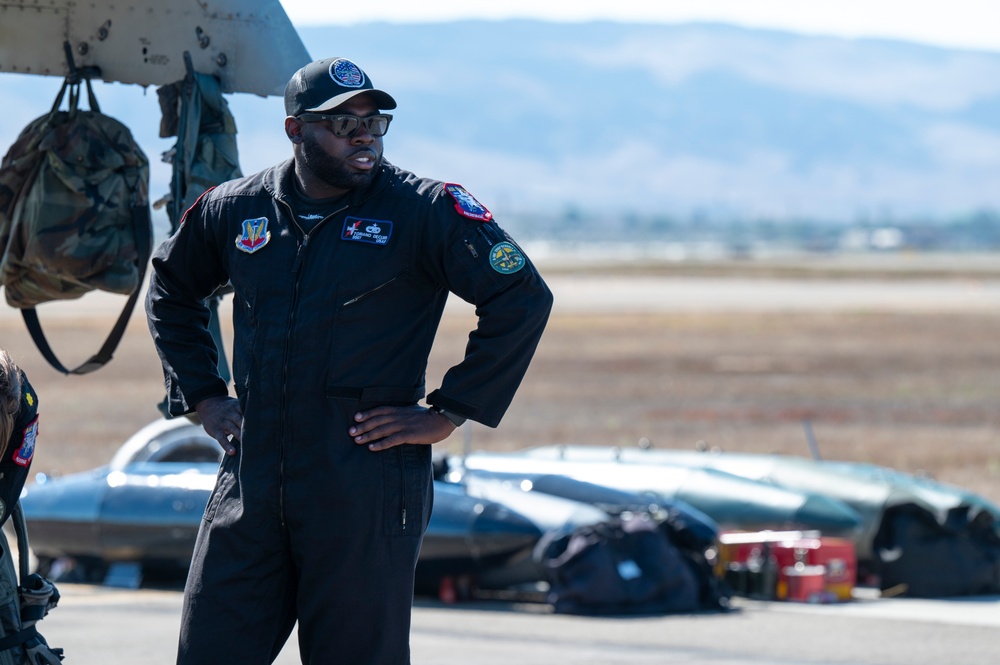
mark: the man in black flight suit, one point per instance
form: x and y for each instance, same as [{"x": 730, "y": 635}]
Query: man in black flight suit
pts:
[{"x": 340, "y": 264}]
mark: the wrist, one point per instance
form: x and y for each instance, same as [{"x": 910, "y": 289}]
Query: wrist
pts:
[{"x": 455, "y": 419}]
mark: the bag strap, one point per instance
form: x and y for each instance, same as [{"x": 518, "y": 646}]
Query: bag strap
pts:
[
  {"x": 36, "y": 597},
  {"x": 144, "y": 244},
  {"x": 18, "y": 638},
  {"x": 21, "y": 530},
  {"x": 73, "y": 80}
]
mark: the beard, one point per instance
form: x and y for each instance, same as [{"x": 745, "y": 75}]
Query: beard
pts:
[{"x": 333, "y": 171}]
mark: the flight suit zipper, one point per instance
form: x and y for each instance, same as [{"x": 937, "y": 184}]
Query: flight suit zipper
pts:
[{"x": 296, "y": 267}]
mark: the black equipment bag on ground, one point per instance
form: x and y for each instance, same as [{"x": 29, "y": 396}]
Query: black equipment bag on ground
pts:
[
  {"x": 74, "y": 215},
  {"x": 919, "y": 556},
  {"x": 625, "y": 565}
]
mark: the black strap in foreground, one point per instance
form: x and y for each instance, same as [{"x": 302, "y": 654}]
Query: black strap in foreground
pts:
[
  {"x": 144, "y": 244},
  {"x": 18, "y": 638},
  {"x": 21, "y": 531}
]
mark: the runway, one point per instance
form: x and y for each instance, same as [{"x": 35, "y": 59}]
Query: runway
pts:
[
  {"x": 104, "y": 626},
  {"x": 602, "y": 294}
]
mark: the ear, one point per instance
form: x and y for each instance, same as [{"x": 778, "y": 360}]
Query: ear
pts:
[{"x": 293, "y": 129}]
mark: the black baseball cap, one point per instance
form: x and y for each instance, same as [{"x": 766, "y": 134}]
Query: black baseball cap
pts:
[{"x": 328, "y": 83}]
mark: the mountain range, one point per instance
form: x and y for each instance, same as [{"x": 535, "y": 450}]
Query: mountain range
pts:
[{"x": 607, "y": 120}]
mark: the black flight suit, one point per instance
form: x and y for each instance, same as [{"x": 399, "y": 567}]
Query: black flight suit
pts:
[{"x": 305, "y": 524}]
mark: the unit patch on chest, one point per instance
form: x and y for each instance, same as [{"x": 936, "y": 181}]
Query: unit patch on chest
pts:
[
  {"x": 255, "y": 235},
  {"x": 371, "y": 231}
]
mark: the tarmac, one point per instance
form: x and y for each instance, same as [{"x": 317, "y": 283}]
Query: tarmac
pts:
[{"x": 112, "y": 626}]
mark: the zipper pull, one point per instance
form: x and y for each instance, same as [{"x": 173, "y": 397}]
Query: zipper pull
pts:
[
  {"x": 298, "y": 254},
  {"x": 404, "y": 518}
]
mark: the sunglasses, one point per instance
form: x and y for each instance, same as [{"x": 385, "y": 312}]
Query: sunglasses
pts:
[{"x": 345, "y": 125}]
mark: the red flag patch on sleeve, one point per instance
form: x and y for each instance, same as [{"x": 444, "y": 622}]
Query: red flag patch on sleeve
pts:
[
  {"x": 466, "y": 204},
  {"x": 23, "y": 455}
]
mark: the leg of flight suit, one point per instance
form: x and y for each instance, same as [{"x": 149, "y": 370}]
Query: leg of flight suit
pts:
[
  {"x": 240, "y": 593},
  {"x": 356, "y": 586}
]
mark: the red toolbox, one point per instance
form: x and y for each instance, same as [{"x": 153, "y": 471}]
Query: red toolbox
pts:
[{"x": 788, "y": 565}]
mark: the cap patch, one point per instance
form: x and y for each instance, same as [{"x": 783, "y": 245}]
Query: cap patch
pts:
[
  {"x": 506, "y": 258},
  {"x": 346, "y": 73},
  {"x": 23, "y": 455},
  {"x": 255, "y": 235},
  {"x": 466, "y": 204},
  {"x": 371, "y": 231}
]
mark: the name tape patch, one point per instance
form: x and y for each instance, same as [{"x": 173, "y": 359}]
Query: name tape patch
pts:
[
  {"x": 371, "y": 231},
  {"x": 466, "y": 204}
]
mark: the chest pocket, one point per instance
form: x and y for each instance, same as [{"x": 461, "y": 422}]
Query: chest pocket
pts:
[{"x": 356, "y": 293}]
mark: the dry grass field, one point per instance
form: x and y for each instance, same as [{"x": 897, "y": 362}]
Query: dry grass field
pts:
[{"x": 915, "y": 389}]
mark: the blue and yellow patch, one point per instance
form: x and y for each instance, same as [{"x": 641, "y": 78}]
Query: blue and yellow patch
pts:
[
  {"x": 506, "y": 258},
  {"x": 255, "y": 235}
]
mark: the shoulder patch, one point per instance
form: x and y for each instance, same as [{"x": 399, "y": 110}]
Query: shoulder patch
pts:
[
  {"x": 23, "y": 455},
  {"x": 506, "y": 258},
  {"x": 466, "y": 204}
]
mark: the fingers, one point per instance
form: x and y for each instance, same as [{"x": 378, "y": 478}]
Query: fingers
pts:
[
  {"x": 227, "y": 444},
  {"x": 223, "y": 421},
  {"x": 227, "y": 435},
  {"x": 384, "y": 443},
  {"x": 385, "y": 426},
  {"x": 370, "y": 428}
]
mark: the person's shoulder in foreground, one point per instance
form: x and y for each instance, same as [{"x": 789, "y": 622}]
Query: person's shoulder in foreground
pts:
[{"x": 18, "y": 405}]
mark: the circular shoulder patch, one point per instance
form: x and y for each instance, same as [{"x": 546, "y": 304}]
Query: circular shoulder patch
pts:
[
  {"x": 506, "y": 258},
  {"x": 346, "y": 73}
]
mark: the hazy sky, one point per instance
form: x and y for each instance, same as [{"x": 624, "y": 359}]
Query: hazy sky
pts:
[{"x": 956, "y": 23}]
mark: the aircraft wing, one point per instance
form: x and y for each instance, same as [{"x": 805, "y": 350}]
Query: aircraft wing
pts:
[{"x": 250, "y": 45}]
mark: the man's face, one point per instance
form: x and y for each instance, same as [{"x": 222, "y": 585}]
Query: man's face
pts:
[{"x": 340, "y": 163}]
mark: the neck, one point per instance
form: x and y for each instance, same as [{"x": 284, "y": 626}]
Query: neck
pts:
[{"x": 315, "y": 188}]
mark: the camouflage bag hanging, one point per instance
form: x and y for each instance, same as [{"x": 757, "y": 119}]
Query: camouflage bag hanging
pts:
[
  {"x": 205, "y": 154},
  {"x": 74, "y": 215}
]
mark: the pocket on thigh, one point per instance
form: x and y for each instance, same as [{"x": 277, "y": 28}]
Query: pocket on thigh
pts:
[
  {"x": 406, "y": 472},
  {"x": 225, "y": 485}
]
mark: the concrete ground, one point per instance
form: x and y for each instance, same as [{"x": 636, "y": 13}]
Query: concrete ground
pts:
[{"x": 104, "y": 626}]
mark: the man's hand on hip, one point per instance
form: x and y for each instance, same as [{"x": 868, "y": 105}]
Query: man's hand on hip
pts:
[
  {"x": 386, "y": 426},
  {"x": 223, "y": 420}
]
